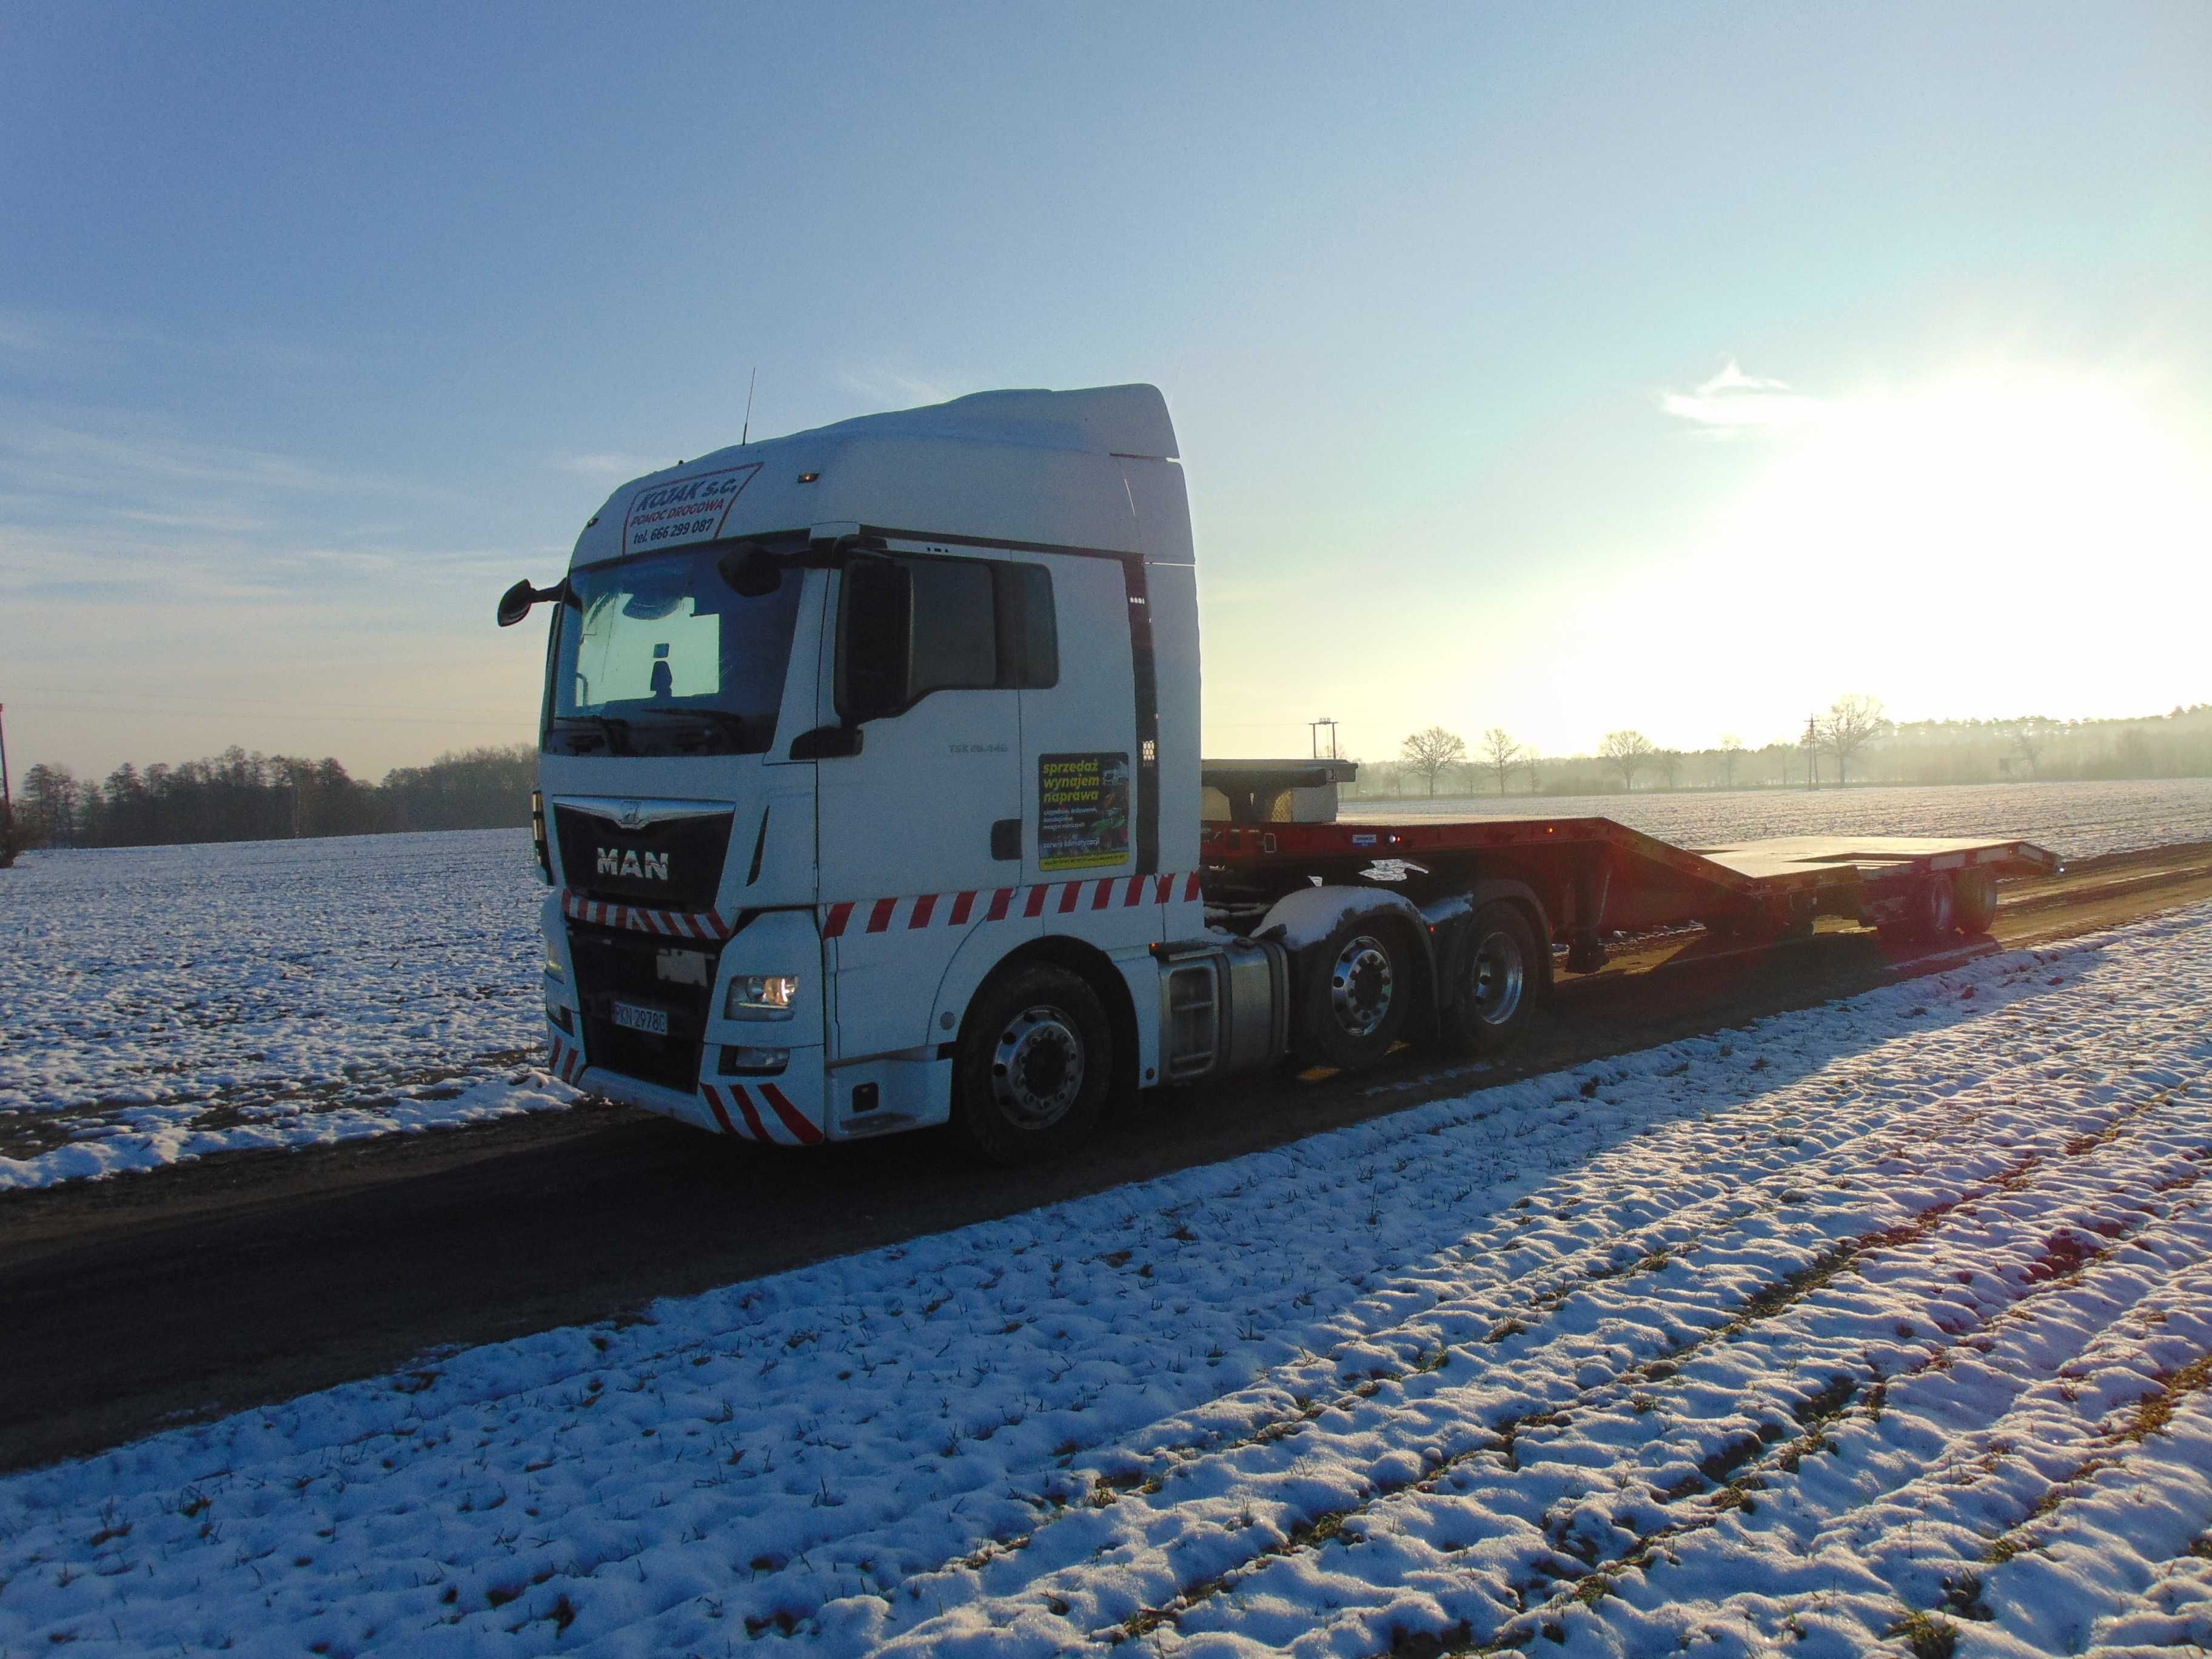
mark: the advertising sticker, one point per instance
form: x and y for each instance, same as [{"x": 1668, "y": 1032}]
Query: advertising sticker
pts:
[
  {"x": 684, "y": 511},
  {"x": 1083, "y": 810}
]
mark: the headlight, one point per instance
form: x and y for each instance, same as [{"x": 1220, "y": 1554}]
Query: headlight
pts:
[
  {"x": 762, "y": 996},
  {"x": 553, "y": 964}
]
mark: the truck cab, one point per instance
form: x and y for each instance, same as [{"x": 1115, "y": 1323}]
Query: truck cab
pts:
[{"x": 868, "y": 783}]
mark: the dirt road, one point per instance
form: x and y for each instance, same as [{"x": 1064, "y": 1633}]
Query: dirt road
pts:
[{"x": 212, "y": 1285}]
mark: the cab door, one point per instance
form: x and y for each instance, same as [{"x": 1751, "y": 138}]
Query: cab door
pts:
[
  {"x": 919, "y": 827},
  {"x": 1084, "y": 767}
]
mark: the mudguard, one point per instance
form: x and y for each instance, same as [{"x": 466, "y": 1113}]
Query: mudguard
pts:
[
  {"x": 1303, "y": 920},
  {"x": 1449, "y": 922}
]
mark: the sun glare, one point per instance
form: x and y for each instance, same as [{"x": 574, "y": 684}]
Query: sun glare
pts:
[{"x": 1998, "y": 543}]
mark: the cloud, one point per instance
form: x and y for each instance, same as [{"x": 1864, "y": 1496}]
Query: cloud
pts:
[
  {"x": 57, "y": 458},
  {"x": 78, "y": 340},
  {"x": 609, "y": 468},
  {"x": 890, "y": 389},
  {"x": 1733, "y": 403}
]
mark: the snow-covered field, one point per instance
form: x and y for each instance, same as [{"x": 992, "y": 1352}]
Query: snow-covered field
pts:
[
  {"x": 1888, "y": 1321},
  {"x": 2077, "y": 820},
  {"x": 160, "y": 1003}
]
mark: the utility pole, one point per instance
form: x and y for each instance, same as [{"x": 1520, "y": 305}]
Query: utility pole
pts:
[
  {"x": 7, "y": 801},
  {"x": 1313, "y": 730},
  {"x": 1812, "y": 751}
]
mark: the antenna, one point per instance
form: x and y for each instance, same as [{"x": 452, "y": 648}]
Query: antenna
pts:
[{"x": 746, "y": 435}]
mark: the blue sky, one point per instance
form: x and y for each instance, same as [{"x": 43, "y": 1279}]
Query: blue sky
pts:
[{"x": 1559, "y": 369}]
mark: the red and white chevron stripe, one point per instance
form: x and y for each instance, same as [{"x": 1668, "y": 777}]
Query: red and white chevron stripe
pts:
[
  {"x": 1060, "y": 899},
  {"x": 566, "y": 1061},
  {"x": 670, "y": 924},
  {"x": 776, "y": 1121}
]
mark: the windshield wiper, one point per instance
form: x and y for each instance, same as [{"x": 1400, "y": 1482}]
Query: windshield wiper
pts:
[{"x": 615, "y": 732}]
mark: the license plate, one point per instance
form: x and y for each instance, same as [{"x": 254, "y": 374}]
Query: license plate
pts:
[{"x": 632, "y": 1017}]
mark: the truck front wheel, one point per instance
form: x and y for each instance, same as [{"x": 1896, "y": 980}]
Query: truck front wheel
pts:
[
  {"x": 1488, "y": 1005},
  {"x": 1034, "y": 1062},
  {"x": 1353, "y": 1001}
]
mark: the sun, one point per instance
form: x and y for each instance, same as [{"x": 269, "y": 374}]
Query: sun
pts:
[{"x": 1998, "y": 542}]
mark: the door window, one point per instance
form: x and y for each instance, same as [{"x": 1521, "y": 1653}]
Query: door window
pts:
[{"x": 909, "y": 626}]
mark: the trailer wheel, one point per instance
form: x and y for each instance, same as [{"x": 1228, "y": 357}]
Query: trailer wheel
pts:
[
  {"x": 1488, "y": 1007},
  {"x": 1976, "y": 892},
  {"x": 1032, "y": 1067},
  {"x": 1933, "y": 909},
  {"x": 1356, "y": 992}
]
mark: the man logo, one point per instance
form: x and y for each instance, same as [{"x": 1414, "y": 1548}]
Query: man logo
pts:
[
  {"x": 627, "y": 861},
  {"x": 632, "y": 816}
]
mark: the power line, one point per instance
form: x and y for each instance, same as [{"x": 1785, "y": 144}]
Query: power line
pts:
[
  {"x": 163, "y": 699},
  {"x": 520, "y": 727}
]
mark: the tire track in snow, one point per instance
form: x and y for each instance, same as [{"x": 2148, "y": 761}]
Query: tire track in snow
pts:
[
  {"x": 1726, "y": 1448},
  {"x": 1917, "y": 1556},
  {"x": 1318, "y": 1529},
  {"x": 1760, "y": 1486}
]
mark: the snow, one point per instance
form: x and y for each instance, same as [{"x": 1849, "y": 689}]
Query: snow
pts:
[
  {"x": 1898, "y": 1309},
  {"x": 162, "y": 1003},
  {"x": 2074, "y": 820},
  {"x": 165, "y": 1003}
]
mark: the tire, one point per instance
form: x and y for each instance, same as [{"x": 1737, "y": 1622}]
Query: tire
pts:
[
  {"x": 1355, "y": 992},
  {"x": 1490, "y": 1000},
  {"x": 1934, "y": 911},
  {"x": 1033, "y": 1066},
  {"x": 1976, "y": 892}
]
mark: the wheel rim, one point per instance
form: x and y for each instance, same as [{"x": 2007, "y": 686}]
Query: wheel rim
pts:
[
  {"x": 1361, "y": 982},
  {"x": 1500, "y": 975},
  {"x": 1942, "y": 906},
  {"x": 1036, "y": 1068}
]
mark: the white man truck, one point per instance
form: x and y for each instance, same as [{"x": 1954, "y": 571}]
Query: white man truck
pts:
[{"x": 870, "y": 799}]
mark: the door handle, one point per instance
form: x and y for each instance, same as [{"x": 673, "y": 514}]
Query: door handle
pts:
[{"x": 1006, "y": 839}]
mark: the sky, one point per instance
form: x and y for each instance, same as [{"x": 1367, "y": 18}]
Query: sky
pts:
[{"x": 1561, "y": 369}]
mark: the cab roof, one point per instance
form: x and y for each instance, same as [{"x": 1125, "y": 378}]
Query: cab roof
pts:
[{"x": 1049, "y": 468}]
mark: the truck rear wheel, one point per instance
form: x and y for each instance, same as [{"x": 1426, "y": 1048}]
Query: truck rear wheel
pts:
[
  {"x": 1034, "y": 1061},
  {"x": 1352, "y": 1003},
  {"x": 1976, "y": 893},
  {"x": 1488, "y": 1005}
]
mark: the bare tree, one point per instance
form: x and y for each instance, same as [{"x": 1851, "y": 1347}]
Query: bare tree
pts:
[
  {"x": 1630, "y": 753},
  {"x": 1669, "y": 762},
  {"x": 1853, "y": 722},
  {"x": 1731, "y": 752},
  {"x": 1533, "y": 763},
  {"x": 1499, "y": 752},
  {"x": 1429, "y": 751},
  {"x": 2028, "y": 737}
]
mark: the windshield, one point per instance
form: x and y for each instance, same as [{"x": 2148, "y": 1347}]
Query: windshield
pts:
[{"x": 659, "y": 655}]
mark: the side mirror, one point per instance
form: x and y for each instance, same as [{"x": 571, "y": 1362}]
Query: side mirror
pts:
[
  {"x": 514, "y": 603},
  {"x": 751, "y": 571},
  {"x": 875, "y": 633}
]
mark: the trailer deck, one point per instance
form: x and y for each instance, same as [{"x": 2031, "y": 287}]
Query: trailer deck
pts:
[{"x": 1594, "y": 875}]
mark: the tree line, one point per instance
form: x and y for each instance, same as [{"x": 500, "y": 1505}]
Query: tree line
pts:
[
  {"x": 237, "y": 796},
  {"x": 1854, "y": 742}
]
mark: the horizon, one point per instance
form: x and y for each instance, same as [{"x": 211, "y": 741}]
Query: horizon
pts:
[
  {"x": 1564, "y": 373},
  {"x": 1994, "y": 724}
]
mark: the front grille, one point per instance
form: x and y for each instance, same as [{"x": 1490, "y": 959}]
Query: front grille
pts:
[
  {"x": 674, "y": 864},
  {"x": 653, "y": 973}
]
